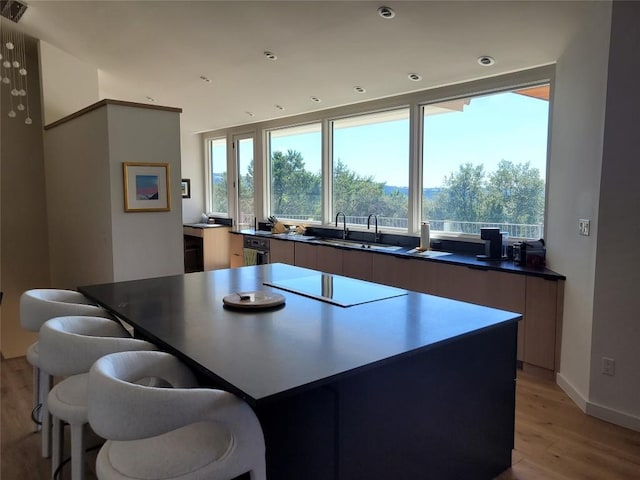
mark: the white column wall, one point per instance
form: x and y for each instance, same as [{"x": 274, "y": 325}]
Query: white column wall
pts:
[
  {"x": 78, "y": 193},
  {"x": 616, "y": 312},
  {"x": 575, "y": 163},
  {"x": 145, "y": 244}
]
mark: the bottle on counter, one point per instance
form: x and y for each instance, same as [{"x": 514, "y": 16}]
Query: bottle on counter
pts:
[{"x": 425, "y": 236}]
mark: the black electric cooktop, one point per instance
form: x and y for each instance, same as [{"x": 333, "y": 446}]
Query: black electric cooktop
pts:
[{"x": 338, "y": 290}]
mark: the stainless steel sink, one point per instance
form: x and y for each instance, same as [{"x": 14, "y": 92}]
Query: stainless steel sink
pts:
[
  {"x": 359, "y": 245},
  {"x": 294, "y": 236}
]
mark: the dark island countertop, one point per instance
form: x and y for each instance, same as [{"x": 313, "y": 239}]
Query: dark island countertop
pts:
[
  {"x": 334, "y": 387},
  {"x": 453, "y": 258},
  {"x": 263, "y": 355}
]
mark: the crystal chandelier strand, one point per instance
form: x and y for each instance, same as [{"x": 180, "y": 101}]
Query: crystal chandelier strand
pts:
[
  {"x": 21, "y": 77},
  {"x": 13, "y": 72},
  {"x": 25, "y": 90},
  {"x": 11, "y": 55}
]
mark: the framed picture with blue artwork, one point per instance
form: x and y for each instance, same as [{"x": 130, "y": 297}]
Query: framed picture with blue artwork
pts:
[{"x": 146, "y": 187}]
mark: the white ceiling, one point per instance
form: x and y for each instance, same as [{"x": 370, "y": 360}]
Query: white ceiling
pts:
[{"x": 160, "y": 49}]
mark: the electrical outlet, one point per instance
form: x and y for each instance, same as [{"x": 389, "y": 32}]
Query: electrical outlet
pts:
[
  {"x": 584, "y": 226},
  {"x": 608, "y": 366}
]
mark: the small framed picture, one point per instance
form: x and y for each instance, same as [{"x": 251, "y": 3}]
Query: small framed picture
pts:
[
  {"x": 185, "y": 188},
  {"x": 146, "y": 187}
]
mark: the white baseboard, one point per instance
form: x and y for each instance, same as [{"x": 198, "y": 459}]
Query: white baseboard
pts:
[
  {"x": 595, "y": 410},
  {"x": 571, "y": 391},
  {"x": 614, "y": 416}
]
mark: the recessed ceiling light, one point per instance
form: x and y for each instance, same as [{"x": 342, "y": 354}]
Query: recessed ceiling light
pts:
[
  {"x": 270, "y": 55},
  {"x": 486, "y": 60},
  {"x": 205, "y": 79},
  {"x": 415, "y": 77},
  {"x": 279, "y": 107},
  {"x": 315, "y": 99},
  {"x": 386, "y": 12},
  {"x": 359, "y": 89}
]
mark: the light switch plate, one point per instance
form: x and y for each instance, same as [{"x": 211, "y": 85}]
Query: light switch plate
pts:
[{"x": 584, "y": 227}]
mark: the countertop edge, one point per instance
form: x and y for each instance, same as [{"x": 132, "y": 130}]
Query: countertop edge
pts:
[{"x": 459, "y": 259}]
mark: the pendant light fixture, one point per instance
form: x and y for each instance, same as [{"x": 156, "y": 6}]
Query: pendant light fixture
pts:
[{"x": 13, "y": 74}]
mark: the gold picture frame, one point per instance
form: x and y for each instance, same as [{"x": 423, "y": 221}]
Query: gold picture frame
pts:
[{"x": 146, "y": 187}]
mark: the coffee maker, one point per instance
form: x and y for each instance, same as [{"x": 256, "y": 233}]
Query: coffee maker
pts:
[{"x": 492, "y": 244}]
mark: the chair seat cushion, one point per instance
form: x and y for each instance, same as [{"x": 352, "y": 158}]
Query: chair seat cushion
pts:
[
  {"x": 33, "y": 355},
  {"x": 68, "y": 399},
  {"x": 184, "y": 453}
]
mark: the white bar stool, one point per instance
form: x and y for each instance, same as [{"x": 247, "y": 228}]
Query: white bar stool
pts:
[
  {"x": 175, "y": 431},
  {"x": 69, "y": 346},
  {"x": 36, "y": 307}
]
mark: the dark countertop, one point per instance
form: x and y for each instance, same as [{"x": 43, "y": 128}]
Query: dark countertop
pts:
[
  {"x": 264, "y": 355},
  {"x": 463, "y": 259}
]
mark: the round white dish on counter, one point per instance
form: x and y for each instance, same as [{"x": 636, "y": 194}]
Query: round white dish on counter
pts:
[{"x": 253, "y": 300}]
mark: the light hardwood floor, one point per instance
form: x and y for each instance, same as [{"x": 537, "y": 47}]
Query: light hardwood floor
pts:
[
  {"x": 20, "y": 446},
  {"x": 554, "y": 439}
]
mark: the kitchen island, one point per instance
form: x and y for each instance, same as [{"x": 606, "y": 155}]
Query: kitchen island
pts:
[{"x": 391, "y": 384}]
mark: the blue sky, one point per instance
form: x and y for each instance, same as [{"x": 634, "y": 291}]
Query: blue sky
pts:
[{"x": 503, "y": 126}]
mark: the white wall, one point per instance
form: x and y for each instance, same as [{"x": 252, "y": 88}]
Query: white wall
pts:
[
  {"x": 193, "y": 168},
  {"x": 145, "y": 244},
  {"x": 573, "y": 191},
  {"x": 24, "y": 257},
  {"x": 68, "y": 84},
  {"x": 78, "y": 197},
  {"x": 92, "y": 238},
  {"x": 616, "y": 312}
]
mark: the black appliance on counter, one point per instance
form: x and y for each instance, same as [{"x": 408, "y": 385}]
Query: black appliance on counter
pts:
[
  {"x": 492, "y": 244},
  {"x": 530, "y": 254}
]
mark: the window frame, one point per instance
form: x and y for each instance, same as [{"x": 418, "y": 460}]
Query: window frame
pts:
[
  {"x": 267, "y": 163},
  {"x": 208, "y": 141},
  {"x": 415, "y": 101},
  {"x": 420, "y": 161},
  {"x": 331, "y": 211}
]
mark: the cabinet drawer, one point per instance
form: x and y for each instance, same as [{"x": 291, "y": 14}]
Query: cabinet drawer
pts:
[
  {"x": 193, "y": 232},
  {"x": 490, "y": 288},
  {"x": 356, "y": 264},
  {"x": 404, "y": 272},
  {"x": 281, "y": 251},
  {"x": 306, "y": 255}
]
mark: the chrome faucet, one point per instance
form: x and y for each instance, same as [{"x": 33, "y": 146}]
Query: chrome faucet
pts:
[
  {"x": 345, "y": 232},
  {"x": 376, "y": 238}
]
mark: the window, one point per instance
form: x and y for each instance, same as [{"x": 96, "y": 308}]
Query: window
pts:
[
  {"x": 295, "y": 155},
  {"x": 371, "y": 167},
  {"x": 474, "y": 160},
  {"x": 484, "y": 163},
  {"x": 218, "y": 199},
  {"x": 244, "y": 166}
]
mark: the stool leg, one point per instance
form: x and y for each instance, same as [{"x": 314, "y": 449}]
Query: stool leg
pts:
[
  {"x": 77, "y": 451},
  {"x": 36, "y": 396},
  {"x": 57, "y": 444},
  {"x": 46, "y": 382}
]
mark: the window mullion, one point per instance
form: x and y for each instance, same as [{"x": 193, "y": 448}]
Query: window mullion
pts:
[
  {"x": 415, "y": 168},
  {"x": 327, "y": 172}
]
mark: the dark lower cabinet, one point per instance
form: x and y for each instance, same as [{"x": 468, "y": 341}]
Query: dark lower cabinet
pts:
[{"x": 193, "y": 254}]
